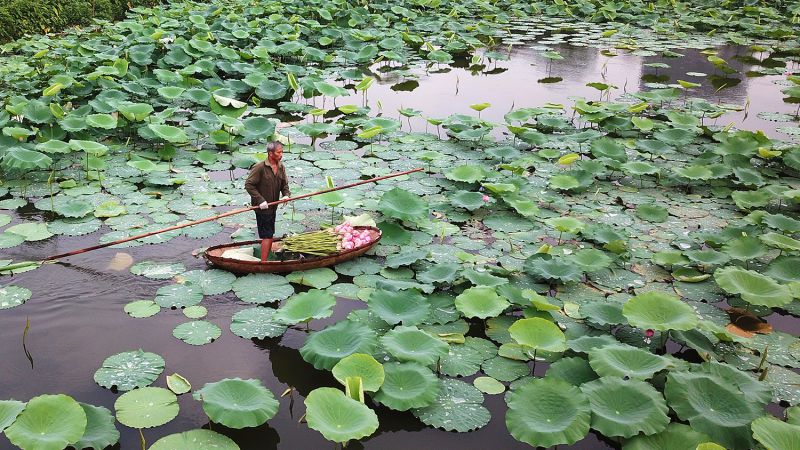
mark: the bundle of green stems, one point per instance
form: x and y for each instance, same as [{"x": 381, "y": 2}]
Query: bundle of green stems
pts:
[{"x": 318, "y": 243}]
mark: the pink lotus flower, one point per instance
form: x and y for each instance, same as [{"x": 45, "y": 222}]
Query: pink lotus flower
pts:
[
  {"x": 649, "y": 333},
  {"x": 485, "y": 198}
]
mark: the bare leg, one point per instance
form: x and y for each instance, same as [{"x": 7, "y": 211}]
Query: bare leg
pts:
[{"x": 266, "y": 247}]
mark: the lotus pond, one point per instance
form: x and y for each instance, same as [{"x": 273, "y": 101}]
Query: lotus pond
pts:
[{"x": 602, "y": 251}]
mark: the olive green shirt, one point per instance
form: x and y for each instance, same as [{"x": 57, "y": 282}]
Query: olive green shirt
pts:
[{"x": 264, "y": 185}]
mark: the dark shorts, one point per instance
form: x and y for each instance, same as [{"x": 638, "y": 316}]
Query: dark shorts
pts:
[{"x": 266, "y": 223}]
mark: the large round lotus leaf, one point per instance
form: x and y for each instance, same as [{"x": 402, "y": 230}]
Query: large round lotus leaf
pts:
[
  {"x": 74, "y": 208},
  {"x": 547, "y": 412},
  {"x": 315, "y": 278},
  {"x": 469, "y": 200},
  {"x": 403, "y": 205},
  {"x": 780, "y": 242},
  {"x": 711, "y": 406},
  {"x": 30, "y": 231},
  {"x": 505, "y": 369},
  {"x": 157, "y": 271},
  {"x": 626, "y": 361},
  {"x": 146, "y": 407},
  {"x": 443, "y": 308},
  {"x": 100, "y": 429},
  {"x": 564, "y": 182},
  {"x": 8, "y": 240},
  {"x": 466, "y": 173},
  {"x": 776, "y": 435},
  {"x": 707, "y": 257},
  {"x": 11, "y": 296},
  {"x": 458, "y": 407},
  {"x": 169, "y": 133},
  {"x": 439, "y": 273},
  {"x": 363, "y": 366},
  {"x": 358, "y": 266},
  {"x": 625, "y": 407},
  {"x": 142, "y": 308},
  {"x": 412, "y": 344},
  {"x": 676, "y": 435},
  {"x": 754, "y": 391},
  {"x": 406, "y": 386},
  {"x": 210, "y": 282},
  {"x": 9, "y": 410},
  {"x": 338, "y": 417},
  {"x": 327, "y": 347},
  {"x": 48, "y": 422},
  {"x": 481, "y": 302},
  {"x": 237, "y": 403},
  {"x": 405, "y": 258},
  {"x": 262, "y": 288},
  {"x": 545, "y": 267},
  {"x": 538, "y": 333},
  {"x": 466, "y": 359},
  {"x": 257, "y": 323},
  {"x": 744, "y": 248},
  {"x": 652, "y": 213},
  {"x": 585, "y": 343},
  {"x": 178, "y": 296},
  {"x": 602, "y": 312},
  {"x": 195, "y": 439},
  {"x": 197, "y": 332},
  {"x": 483, "y": 278},
  {"x": 574, "y": 370},
  {"x": 785, "y": 269},
  {"x": 659, "y": 311},
  {"x": 195, "y": 312},
  {"x": 566, "y": 224},
  {"x": 753, "y": 287},
  {"x": 129, "y": 370},
  {"x": 314, "y": 304},
  {"x": 408, "y": 307},
  {"x": 591, "y": 259}
]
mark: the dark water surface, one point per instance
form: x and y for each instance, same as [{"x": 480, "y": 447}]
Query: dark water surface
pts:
[{"x": 76, "y": 311}]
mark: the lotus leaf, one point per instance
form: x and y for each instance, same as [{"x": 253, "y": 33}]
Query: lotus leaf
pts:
[
  {"x": 489, "y": 385},
  {"x": 626, "y": 361},
  {"x": 146, "y": 407},
  {"x": 625, "y": 408},
  {"x": 327, "y": 347},
  {"x": 30, "y": 231},
  {"x": 363, "y": 366},
  {"x": 574, "y": 370},
  {"x": 545, "y": 267},
  {"x": 776, "y": 435},
  {"x": 539, "y": 334},
  {"x": 257, "y": 323},
  {"x": 178, "y": 296},
  {"x": 753, "y": 287},
  {"x": 481, "y": 302},
  {"x": 314, "y": 304},
  {"x": 659, "y": 311},
  {"x": 483, "y": 278},
  {"x": 237, "y": 403},
  {"x": 412, "y": 344},
  {"x": 403, "y": 205},
  {"x": 48, "y": 422},
  {"x": 11, "y": 296},
  {"x": 262, "y": 288},
  {"x": 129, "y": 370},
  {"x": 339, "y": 418},
  {"x": 466, "y": 359},
  {"x": 712, "y": 407},
  {"x": 100, "y": 429},
  {"x": 18, "y": 158},
  {"x": 546, "y": 412},
  {"x": 316, "y": 278},
  {"x": 178, "y": 384},
  {"x": 193, "y": 439},
  {"x": 458, "y": 407},
  {"x": 505, "y": 369},
  {"x": 780, "y": 241},
  {"x": 405, "y": 257},
  {"x": 439, "y": 273},
  {"x": 406, "y": 386},
  {"x": 197, "y": 332},
  {"x": 407, "y": 306},
  {"x": 676, "y": 435},
  {"x": 157, "y": 271},
  {"x": 142, "y": 308},
  {"x": 9, "y": 410}
]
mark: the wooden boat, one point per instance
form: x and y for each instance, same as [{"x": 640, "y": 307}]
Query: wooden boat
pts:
[{"x": 214, "y": 257}]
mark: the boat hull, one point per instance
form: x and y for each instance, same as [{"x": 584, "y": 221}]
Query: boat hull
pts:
[{"x": 214, "y": 257}]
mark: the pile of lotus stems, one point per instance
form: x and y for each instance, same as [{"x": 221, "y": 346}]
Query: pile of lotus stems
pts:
[{"x": 318, "y": 243}]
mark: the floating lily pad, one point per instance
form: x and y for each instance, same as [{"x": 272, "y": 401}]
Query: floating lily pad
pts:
[
  {"x": 776, "y": 435},
  {"x": 547, "y": 412},
  {"x": 625, "y": 407},
  {"x": 100, "y": 429},
  {"x": 327, "y": 347},
  {"x": 129, "y": 370},
  {"x": 210, "y": 282},
  {"x": 458, "y": 407},
  {"x": 403, "y": 205},
  {"x": 574, "y": 370},
  {"x": 466, "y": 359},
  {"x": 538, "y": 333},
  {"x": 753, "y": 287},
  {"x": 489, "y": 385},
  {"x": 142, "y": 308},
  {"x": 481, "y": 302},
  {"x": 676, "y": 435},
  {"x": 412, "y": 344},
  {"x": 193, "y": 439},
  {"x": 626, "y": 361},
  {"x": 314, "y": 304},
  {"x": 408, "y": 306},
  {"x": 11, "y": 296},
  {"x": 178, "y": 296},
  {"x": 178, "y": 384},
  {"x": 505, "y": 369},
  {"x": 9, "y": 410},
  {"x": 406, "y": 386},
  {"x": 257, "y": 323},
  {"x": 315, "y": 278},
  {"x": 338, "y": 417},
  {"x": 197, "y": 332},
  {"x": 659, "y": 311},
  {"x": 262, "y": 288},
  {"x": 195, "y": 312},
  {"x": 237, "y": 403},
  {"x": 146, "y": 407},
  {"x": 48, "y": 422}
]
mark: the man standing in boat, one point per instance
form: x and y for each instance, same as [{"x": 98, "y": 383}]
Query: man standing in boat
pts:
[{"x": 265, "y": 184}]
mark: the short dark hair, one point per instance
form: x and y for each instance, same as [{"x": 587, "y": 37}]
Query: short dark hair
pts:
[{"x": 272, "y": 146}]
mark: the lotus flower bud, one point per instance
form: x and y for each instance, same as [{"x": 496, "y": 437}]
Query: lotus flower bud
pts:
[
  {"x": 358, "y": 242},
  {"x": 348, "y": 245}
]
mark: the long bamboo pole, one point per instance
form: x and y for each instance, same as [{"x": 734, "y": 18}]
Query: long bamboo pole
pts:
[{"x": 226, "y": 214}]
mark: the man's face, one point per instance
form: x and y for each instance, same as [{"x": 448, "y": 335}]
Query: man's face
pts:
[{"x": 277, "y": 155}]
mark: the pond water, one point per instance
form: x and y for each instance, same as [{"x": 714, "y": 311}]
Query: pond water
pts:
[{"x": 76, "y": 316}]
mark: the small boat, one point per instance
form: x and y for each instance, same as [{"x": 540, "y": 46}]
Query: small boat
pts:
[{"x": 215, "y": 256}]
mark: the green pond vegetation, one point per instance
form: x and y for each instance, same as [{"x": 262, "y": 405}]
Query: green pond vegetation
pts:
[{"x": 561, "y": 255}]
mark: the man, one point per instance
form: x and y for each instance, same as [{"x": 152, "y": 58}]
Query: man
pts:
[{"x": 265, "y": 184}]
